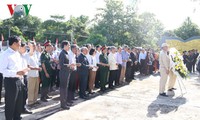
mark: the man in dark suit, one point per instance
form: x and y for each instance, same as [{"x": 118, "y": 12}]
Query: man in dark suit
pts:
[
  {"x": 195, "y": 56},
  {"x": 133, "y": 57},
  {"x": 1, "y": 82},
  {"x": 64, "y": 74},
  {"x": 83, "y": 72}
]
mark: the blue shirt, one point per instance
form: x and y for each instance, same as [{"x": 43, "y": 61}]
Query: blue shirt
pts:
[
  {"x": 142, "y": 56},
  {"x": 125, "y": 56}
]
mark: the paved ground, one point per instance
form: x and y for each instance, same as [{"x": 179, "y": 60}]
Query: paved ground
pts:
[{"x": 137, "y": 101}]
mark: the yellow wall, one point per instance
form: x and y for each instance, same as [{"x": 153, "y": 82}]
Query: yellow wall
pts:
[{"x": 182, "y": 46}]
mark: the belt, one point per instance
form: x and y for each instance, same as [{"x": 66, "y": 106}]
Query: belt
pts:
[{"x": 12, "y": 78}]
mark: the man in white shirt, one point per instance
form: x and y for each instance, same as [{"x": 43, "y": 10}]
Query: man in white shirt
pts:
[
  {"x": 24, "y": 58},
  {"x": 98, "y": 53},
  {"x": 113, "y": 67},
  {"x": 119, "y": 62},
  {"x": 142, "y": 57},
  {"x": 11, "y": 67},
  {"x": 72, "y": 79},
  {"x": 33, "y": 74}
]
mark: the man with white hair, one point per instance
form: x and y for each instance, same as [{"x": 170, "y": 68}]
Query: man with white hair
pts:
[
  {"x": 164, "y": 61},
  {"x": 83, "y": 71}
]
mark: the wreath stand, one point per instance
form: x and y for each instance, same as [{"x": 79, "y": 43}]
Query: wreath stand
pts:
[{"x": 182, "y": 87}]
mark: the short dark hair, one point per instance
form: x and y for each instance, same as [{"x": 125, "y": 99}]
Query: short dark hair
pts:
[
  {"x": 22, "y": 44},
  {"x": 65, "y": 42},
  {"x": 13, "y": 39},
  {"x": 73, "y": 46},
  {"x": 98, "y": 46},
  {"x": 92, "y": 51},
  {"x": 87, "y": 45}
]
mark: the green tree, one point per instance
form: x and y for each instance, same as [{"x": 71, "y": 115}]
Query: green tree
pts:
[
  {"x": 187, "y": 30},
  {"x": 151, "y": 29}
]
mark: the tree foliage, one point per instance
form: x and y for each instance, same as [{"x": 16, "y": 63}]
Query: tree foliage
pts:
[
  {"x": 187, "y": 30},
  {"x": 114, "y": 24}
]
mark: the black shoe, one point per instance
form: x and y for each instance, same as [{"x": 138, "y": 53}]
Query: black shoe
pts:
[
  {"x": 44, "y": 100},
  {"x": 170, "y": 90},
  {"x": 84, "y": 97},
  {"x": 75, "y": 99},
  {"x": 48, "y": 97},
  {"x": 91, "y": 93},
  {"x": 26, "y": 111},
  {"x": 65, "y": 107},
  {"x": 111, "y": 87},
  {"x": 173, "y": 88},
  {"x": 163, "y": 94},
  {"x": 69, "y": 104}
]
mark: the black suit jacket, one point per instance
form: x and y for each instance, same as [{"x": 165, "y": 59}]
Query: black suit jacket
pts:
[
  {"x": 132, "y": 57},
  {"x": 84, "y": 68},
  {"x": 64, "y": 62}
]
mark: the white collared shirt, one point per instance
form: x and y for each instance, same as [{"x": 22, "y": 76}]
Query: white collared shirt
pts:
[
  {"x": 97, "y": 56},
  {"x": 10, "y": 63},
  {"x": 24, "y": 59},
  {"x": 112, "y": 61},
  {"x": 33, "y": 61},
  {"x": 72, "y": 59}
]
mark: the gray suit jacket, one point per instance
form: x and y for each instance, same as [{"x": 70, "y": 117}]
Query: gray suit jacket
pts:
[{"x": 64, "y": 69}]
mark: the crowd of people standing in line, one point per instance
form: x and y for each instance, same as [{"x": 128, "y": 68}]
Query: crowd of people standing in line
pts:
[
  {"x": 190, "y": 58},
  {"x": 30, "y": 68}
]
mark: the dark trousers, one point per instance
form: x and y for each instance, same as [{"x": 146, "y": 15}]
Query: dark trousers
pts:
[
  {"x": 63, "y": 90},
  {"x": 118, "y": 74},
  {"x": 133, "y": 69},
  {"x": 25, "y": 92},
  {"x": 83, "y": 84},
  {"x": 112, "y": 77},
  {"x": 57, "y": 78},
  {"x": 1, "y": 82},
  {"x": 142, "y": 66},
  {"x": 189, "y": 66},
  {"x": 193, "y": 65},
  {"x": 72, "y": 86},
  {"x": 13, "y": 98},
  {"x": 150, "y": 69},
  {"x": 53, "y": 76},
  {"x": 128, "y": 73},
  {"x": 97, "y": 79}
]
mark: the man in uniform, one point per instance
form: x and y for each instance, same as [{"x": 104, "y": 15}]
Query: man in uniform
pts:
[
  {"x": 164, "y": 61},
  {"x": 46, "y": 71}
]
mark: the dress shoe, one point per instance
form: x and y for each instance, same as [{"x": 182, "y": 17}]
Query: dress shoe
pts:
[
  {"x": 75, "y": 99},
  {"x": 26, "y": 111},
  {"x": 84, "y": 97},
  {"x": 44, "y": 100},
  {"x": 111, "y": 87},
  {"x": 65, "y": 107},
  {"x": 69, "y": 104},
  {"x": 37, "y": 102},
  {"x": 173, "y": 88},
  {"x": 91, "y": 93},
  {"x": 163, "y": 94},
  {"x": 48, "y": 97}
]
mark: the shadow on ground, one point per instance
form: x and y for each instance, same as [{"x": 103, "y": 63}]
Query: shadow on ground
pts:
[{"x": 164, "y": 105}]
